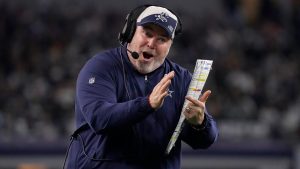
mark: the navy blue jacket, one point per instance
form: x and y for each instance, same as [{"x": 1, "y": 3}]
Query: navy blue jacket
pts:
[{"x": 117, "y": 127}]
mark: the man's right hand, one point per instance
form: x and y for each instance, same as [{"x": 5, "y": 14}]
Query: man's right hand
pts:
[{"x": 160, "y": 91}]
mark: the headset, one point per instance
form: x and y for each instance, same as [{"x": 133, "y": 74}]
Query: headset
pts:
[{"x": 126, "y": 35}]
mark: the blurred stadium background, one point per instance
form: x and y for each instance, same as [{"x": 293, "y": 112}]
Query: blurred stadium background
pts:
[{"x": 255, "y": 77}]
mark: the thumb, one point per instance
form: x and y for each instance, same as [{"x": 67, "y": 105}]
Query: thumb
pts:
[{"x": 205, "y": 96}]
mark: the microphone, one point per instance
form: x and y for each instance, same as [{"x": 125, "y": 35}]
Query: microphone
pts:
[{"x": 134, "y": 54}]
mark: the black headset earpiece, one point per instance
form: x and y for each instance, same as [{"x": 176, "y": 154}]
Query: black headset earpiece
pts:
[{"x": 130, "y": 24}]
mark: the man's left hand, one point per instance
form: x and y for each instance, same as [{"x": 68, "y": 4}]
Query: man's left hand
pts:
[{"x": 194, "y": 112}]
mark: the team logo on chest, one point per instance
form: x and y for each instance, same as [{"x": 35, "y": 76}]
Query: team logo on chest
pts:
[{"x": 170, "y": 93}]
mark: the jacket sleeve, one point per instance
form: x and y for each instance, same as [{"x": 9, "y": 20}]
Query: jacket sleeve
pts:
[
  {"x": 203, "y": 136},
  {"x": 96, "y": 99}
]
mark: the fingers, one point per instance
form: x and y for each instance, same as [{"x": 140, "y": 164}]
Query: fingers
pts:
[
  {"x": 194, "y": 102},
  {"x": 205, "y": 96},
  {"x": 191, "y": 108},
  {"x": 194, "y": 111},
  {"x": 165, "y": 86},
  {"x": 166, "y": 78},
  {"x": 187, "y": 113},
  {"x": 160, "y": 91},
  {"x": 194, "y": 114},
  {"x": 164, "y": 83}
]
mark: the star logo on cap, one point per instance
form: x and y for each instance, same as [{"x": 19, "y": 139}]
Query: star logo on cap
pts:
[{"x": 163, "y": 17}]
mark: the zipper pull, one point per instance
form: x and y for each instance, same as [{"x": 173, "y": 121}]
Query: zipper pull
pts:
[{"x": 146, "y": 78}]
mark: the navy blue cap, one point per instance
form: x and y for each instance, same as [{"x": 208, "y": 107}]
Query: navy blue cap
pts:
[{"x": 159, "y": 16}]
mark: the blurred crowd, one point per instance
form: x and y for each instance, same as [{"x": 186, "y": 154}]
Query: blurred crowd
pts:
[{"x": 254, "y": 81}]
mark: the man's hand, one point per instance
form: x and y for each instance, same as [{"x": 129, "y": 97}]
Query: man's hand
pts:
[
  {"x": 160, "y": 91},
  {"x": 194, "y": 112}
]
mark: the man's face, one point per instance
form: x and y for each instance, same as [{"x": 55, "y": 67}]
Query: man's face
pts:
[{"x": 152, "y": 44}]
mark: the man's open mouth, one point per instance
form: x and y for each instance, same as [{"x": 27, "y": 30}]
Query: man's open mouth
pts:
[{"x": 147, "y": 55}]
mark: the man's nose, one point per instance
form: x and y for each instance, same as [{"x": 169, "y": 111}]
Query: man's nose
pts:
[{"x": 151, "y": 43}]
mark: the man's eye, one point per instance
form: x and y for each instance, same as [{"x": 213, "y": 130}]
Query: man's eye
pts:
[
  {"x": 148, "y": 34},
  {"x": 162, "y": 39}
]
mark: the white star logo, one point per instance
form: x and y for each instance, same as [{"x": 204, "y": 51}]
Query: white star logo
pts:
[{"x": 170, "y": 93}]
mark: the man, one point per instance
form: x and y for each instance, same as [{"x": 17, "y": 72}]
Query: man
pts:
[{"x": 129, "y": 100}]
